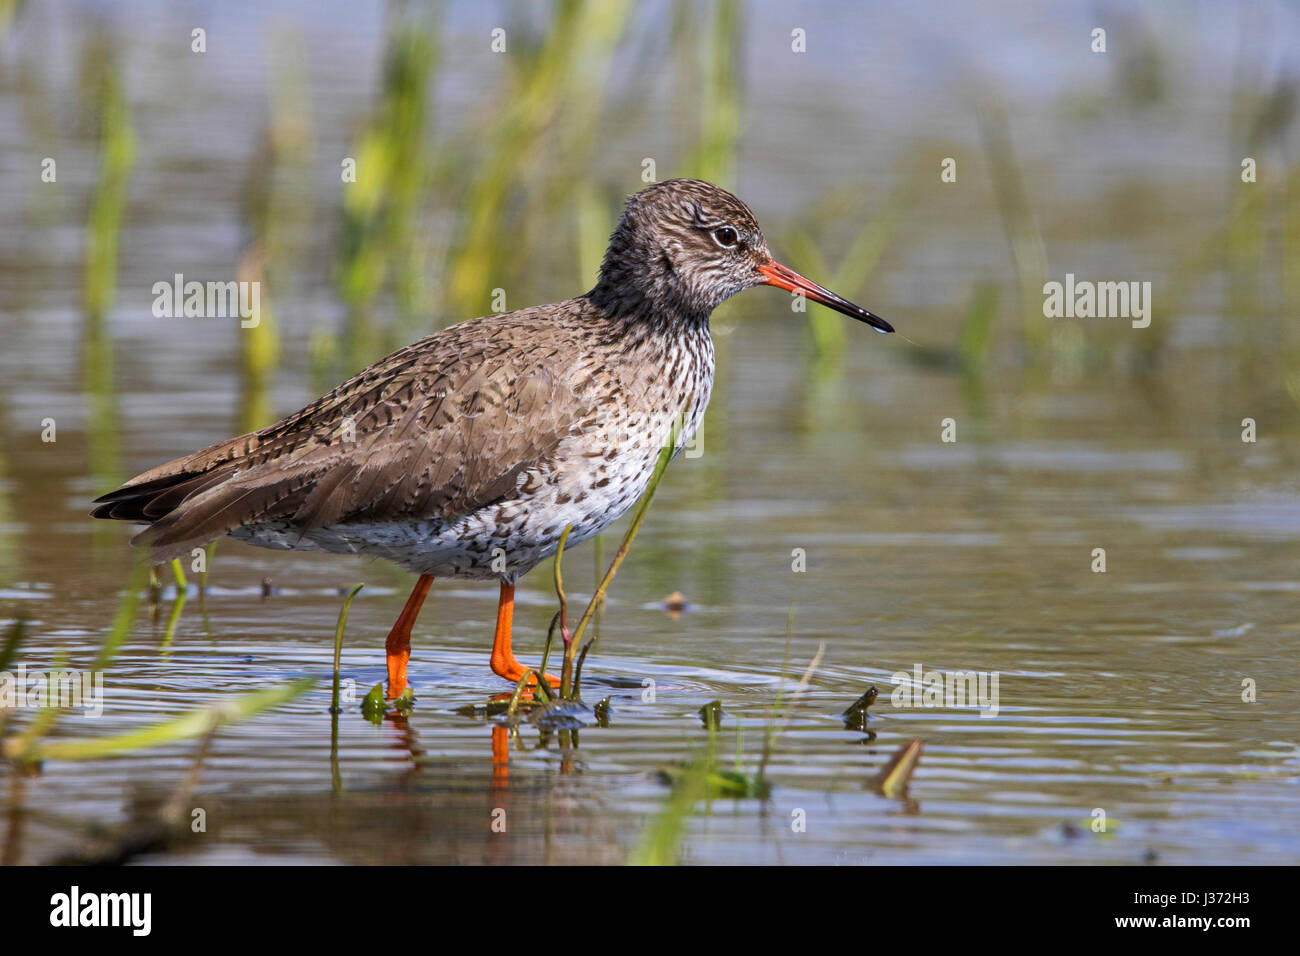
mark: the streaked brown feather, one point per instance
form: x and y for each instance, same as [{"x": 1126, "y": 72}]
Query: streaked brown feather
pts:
[
  {"x": 479, "y": 415},
  {"x": 442, "y": 427}
]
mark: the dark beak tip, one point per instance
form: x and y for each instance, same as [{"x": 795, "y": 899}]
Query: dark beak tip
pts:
[{"x": 783, "y": 277}]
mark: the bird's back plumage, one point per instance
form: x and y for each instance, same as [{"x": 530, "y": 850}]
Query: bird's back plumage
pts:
[{"x": 423, "y": 442}]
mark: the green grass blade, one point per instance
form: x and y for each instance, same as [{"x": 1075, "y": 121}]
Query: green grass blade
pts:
[{"x": 191, "y": 724}]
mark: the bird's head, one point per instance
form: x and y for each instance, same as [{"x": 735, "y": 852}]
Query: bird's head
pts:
[{"x": 684, "y": 246}]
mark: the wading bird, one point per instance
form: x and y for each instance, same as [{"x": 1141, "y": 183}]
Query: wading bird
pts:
[{"x": 467, "y": 453}]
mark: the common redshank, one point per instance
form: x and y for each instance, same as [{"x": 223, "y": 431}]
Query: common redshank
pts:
[{"x": 467, "y": 453}]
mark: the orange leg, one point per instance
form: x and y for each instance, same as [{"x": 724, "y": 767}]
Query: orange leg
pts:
[
  {"x": 500, "y": 756},
  {"x": 503, "y": 658},
  {"x": 399, "y": 638}
]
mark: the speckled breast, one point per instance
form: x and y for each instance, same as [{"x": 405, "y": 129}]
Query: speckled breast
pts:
[{"x": 596, "y": 475}]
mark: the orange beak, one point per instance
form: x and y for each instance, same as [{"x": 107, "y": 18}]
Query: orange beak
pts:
[{"x": 783, "y": 278}]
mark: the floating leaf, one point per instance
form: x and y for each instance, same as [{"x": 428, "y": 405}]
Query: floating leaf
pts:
[
  {"x": 893, "y": 780},
  {"x": 711, "y": 715},
  {"x": 856, "y": 716},
  {"x": 373, "y": 705},
  {"x": 717, "y": 783},
  {"x": 405, "y": 700}
]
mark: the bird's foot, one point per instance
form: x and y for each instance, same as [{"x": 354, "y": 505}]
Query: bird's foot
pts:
[{"x": 513, "y": 671}]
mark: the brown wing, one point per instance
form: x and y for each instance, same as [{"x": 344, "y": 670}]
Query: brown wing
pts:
[{"x": 438, "y": 429}]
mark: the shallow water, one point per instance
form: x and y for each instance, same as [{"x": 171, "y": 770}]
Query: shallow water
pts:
[{"x": 1118, "y": 691}]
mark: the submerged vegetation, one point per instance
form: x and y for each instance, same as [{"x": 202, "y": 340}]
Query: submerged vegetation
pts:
[{"x": 25, "y": 750}]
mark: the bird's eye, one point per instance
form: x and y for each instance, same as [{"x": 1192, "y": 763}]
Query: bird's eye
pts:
[{"x": 725, "y": 236}]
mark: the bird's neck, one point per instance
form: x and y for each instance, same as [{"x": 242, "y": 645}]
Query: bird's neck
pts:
[
  {"x": 638, "y": 283},
  {"x": 629, "y": 323},
  {"x": 661, "y": 311}
]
